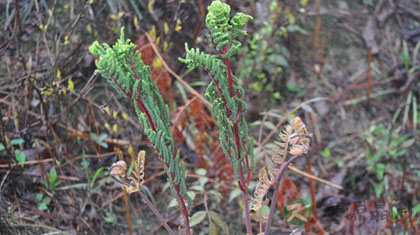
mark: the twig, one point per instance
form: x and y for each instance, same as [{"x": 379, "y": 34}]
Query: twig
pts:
[
  {"x": 312, "y": 185},
  {"x": 61, "y": 177},
  {"x": 317, "y": 29},
  {"x": 26, "y": 163},
  {"x": 369, "y": 75},
  {"x": 156, "y": 212},
  {"x": 127, "y": 206},
  {"x": 267, "y": 138},
  {"x": 276, "y": 192},
  {"x": 180, "y": 80}
]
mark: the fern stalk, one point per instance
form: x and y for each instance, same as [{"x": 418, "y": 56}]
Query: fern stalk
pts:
[
  {"x": 296, "y": 141},
  {"x": 243, "y": 184},
  {"x": 226, "y": 94},
  {"x": 123, "y": 68}
]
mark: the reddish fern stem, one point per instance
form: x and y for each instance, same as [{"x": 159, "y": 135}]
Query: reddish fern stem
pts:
[
  {"x": 181, "y": 199},
  {"x": 227, "y": 62},
  {"x": 218, "y": 88},
  {"x": 144, "y": 110},
  {"x": 243, "y": 184},
  {"x": 119, "y": 85},
  {"x": 149, "y": 119}
]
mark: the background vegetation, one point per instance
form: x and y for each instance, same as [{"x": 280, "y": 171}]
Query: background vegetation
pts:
[{"x": 349, "y": 69}]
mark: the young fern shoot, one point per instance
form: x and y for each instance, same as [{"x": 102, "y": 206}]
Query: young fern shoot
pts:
[
  {"x": 122, "y": 67},
  {"x": 225, "y": 92}
]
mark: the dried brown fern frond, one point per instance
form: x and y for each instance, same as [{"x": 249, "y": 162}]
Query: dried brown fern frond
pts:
[
  {"x": 263, "y": 184},
  {"x": 284, "y": 145},
  {"x": 136, "y": 178},
  {"x": 300, "y": 139},
  {"x": 295, "y": 140}
]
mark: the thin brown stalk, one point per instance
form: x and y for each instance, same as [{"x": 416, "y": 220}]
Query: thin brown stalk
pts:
[
  {"x": 276, "y": 192},
  {"x": 369, "y": 75},
  {"x": 317, "y": 29},
  {"x": 127, "y": 206},
  {"x": 312, "y": 184},
  {"x": 156, "y": 212}
]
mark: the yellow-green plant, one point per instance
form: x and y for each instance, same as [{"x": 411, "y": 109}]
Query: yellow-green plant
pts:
[{"x": 226, "y": 94}]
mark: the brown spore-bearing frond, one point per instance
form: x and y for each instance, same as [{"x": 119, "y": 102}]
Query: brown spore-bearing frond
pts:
[
  {"x": 136, "y": 178},
  {"x": 284, "y": 145},
  {"x": 118, "y": 169},
  {"x": 295, "y": 139},
  {"x": 298, "y": 126},
  {"x": 263, "y": 184},
  {"x": 300, "y": 139}
]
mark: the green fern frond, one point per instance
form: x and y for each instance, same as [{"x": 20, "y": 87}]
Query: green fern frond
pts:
[
  {"x": 224, "y": 29},
  {"x": 122, "y": 67},
  {"x": 225, "y": 91}
]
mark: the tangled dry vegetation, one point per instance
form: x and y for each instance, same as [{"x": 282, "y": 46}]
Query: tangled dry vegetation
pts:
[{"x": 71, "y": 147}]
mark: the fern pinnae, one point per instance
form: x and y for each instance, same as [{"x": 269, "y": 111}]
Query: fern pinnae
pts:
[{"x": 123, "y": 68}]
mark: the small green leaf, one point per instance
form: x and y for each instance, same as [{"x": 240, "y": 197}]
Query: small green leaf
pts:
[
  {"x": 368, "y": 2},
  {"x": 17, "y": 141},
  {"x": 94, "y": 137},
  {"x": 213, "y": 229},
  {"x": 103, "y": 137},
  {"x": 97, "y": 173},
  {"x": 201, "y": 171},
  {"x": 326, "y": 153},
  {"x": 38, "y": 197},
  {"x": 197, "y": 218},
  {"x": 415, "y": 210},
  {"x": 234, "y": 193},
  {"x": 20, "y": 156},
  {"x": 405, "y": 56},
  {"x": 104, "y": 144},
  {"x": 198, "y": 188},
  {"x": 379, "y": 188},
  {"x": 110, "y": 217},
  {"x": 191, "y": 194},
  {"x": 42, "y": 206},
  {"x": 380, "y": 169},
  {"x": 46, "y": 200},
  {"x": 100, "y": 140},
  {"x": 292, "y": 88},
  {"x": 1, "y": 147},
  {"x": 203, "y": 180},
  {"x": 394, "y": 213},
  {"x": 173, "y": 203},
  {"x": 219, "y": 222},
  {"x": 52, "y": 177},
  {"x": 218, "y": 196},
  {"x": 278, "y": 60},
  {"x": 297, "y": 28},
  {"x": 85, "y": 163}
]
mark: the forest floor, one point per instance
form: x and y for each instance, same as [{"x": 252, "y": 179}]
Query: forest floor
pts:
[{"x": 349, "y": 69}]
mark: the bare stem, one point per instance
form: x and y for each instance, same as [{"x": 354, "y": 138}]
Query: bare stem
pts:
[
  {"x": 247, "y": 215},
  {"x": 276, "y": 192},
  {"x": 156, "y": 212}
]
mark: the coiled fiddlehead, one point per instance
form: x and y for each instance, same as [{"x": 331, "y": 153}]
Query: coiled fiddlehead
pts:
[{"x": 224, "y": 29}]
